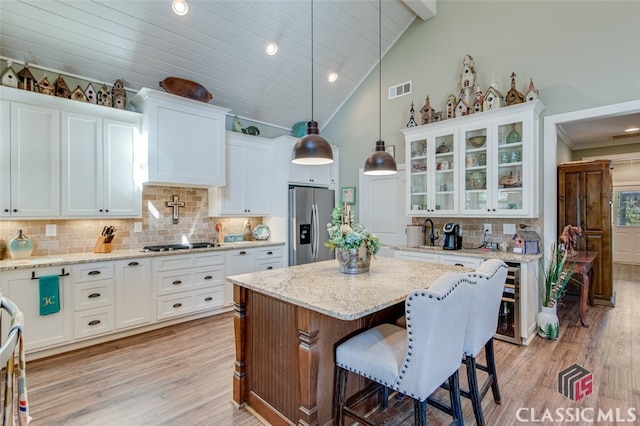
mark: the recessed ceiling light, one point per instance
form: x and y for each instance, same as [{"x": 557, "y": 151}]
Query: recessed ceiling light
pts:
[
  {"x": 180, "y": 7},
  {"x": 272, "y": 49},
  {"x": 632, "y": 129},
  {"x": 332, "y": 77}
]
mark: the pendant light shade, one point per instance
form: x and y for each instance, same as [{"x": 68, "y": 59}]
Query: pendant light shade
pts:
[
  {"x": 380, "y": 162},
  {"x": 312, "y": 149}
]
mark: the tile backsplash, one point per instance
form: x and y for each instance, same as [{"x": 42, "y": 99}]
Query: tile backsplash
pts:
[{"x": 79, "y": 235}]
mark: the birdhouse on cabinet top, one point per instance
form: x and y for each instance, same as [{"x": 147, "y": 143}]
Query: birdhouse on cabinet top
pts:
[
  {"x": 90, "y": 93},
  {"x": 78, "y": 95},
  {"x": 426, "y": 113},
  {"x": 468, "y": 74},
  {"x": 462, "y": 108},
  {"x": 493, "y": 99},
  {"x": 532, "y": 93},
  {"x": 46, "y": 88},
  {"x": 9, "y": 77},
  {"x": 62, "y": 90},
  {"x": 118, "y": 94},
  {"x": 104, "y": 96},
  {"x": 26, "y": 80},
  {"x": 451, "y": 107},
  {"x": 478, "y": 101},
  {"x": 513, "y": 97}
]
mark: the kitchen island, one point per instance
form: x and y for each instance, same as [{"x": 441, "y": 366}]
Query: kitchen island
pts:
[{"x": 288, "y": 321}]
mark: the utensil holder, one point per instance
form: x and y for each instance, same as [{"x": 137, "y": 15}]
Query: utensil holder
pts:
[{"x": 101, "y": 246}]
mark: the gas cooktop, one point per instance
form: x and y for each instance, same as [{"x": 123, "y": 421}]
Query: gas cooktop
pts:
[{"x": 187, "y": 246}]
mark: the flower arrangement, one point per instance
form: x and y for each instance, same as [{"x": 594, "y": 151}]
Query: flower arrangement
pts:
[
  {"x": 345, "y": 233},
  {"x": 556, "y": 277}
]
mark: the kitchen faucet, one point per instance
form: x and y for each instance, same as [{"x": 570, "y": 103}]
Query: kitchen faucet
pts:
[{"x": 432, "y": 238}]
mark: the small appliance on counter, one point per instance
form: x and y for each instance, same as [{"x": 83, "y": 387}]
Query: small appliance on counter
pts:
[
  {"x": 452, "y": 236},
  {"x": 415, "y": 236}
]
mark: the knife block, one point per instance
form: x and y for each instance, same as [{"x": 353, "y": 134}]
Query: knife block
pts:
[{"x": 101, "y": 246}]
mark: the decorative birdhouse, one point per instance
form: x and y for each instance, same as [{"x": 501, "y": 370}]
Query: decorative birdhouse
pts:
[
  {"x": 104, "y": 96},
  {"x": 46, "y": 88},
  {"x": 9, "y": 77},
  {"x": 478, "y": 101},
  {"x": 78, "y": 95},
  {"x": 26, "y": 80},
  {"x": 468, "y": 74},
  {"x": 462, "y": 108},
  {"x": 513, "y": 97},
  {"x": 427, "y": 112},
  {"x": 451, "y": 107},
  {"x": 412, "y": 120},
  {"x": 90, "y": 93},
  {"x": 532, "y": 92},
  {"x": 62, "y": 90},
  {"x": 526, "y": 242},
  {"x": 493, "y": 99},
  {"x": 118, "y": 95}
]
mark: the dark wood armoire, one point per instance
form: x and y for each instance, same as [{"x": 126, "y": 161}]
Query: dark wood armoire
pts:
[{"x": 585, "y": 196}]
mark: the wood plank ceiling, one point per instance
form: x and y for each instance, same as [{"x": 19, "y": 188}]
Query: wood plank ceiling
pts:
[{"x": 219, "y": 43}]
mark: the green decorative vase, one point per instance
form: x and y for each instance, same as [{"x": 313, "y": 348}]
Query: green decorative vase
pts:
[{"x": 20, "y": 247}]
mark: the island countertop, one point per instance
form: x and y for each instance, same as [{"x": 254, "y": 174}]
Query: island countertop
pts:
[{"x": 321, "y": 287}]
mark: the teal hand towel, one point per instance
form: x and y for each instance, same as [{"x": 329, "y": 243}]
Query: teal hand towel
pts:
[{"x": 49, "y": 294}]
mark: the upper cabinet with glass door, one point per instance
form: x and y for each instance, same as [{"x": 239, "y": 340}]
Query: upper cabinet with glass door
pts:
[{"x": 480, "y": 165}]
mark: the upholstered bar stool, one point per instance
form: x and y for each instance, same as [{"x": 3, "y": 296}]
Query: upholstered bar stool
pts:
[
  {"x": 490, "y": 278},
  {"x": 414, "y": 361}
]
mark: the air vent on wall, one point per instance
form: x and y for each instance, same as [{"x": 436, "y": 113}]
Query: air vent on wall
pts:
[{"x": 400, "y": 90}]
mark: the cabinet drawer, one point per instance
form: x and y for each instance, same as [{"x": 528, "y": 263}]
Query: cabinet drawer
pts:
[
  {"x": 469, "y": 262},
  {"x": 210, "y": 298},
  {"x": 93, "y": 295},
  {"x": 209, "y": 277},
  {"x": 205, "y": 259},
  {"x": 93, "y": 322},
  {"x": 173, "y": 306},
  {"x": 91, "y": 272},
  {"x": 168, "y": 263},
  {"x": 174, "y": 282},
  {"x": 265, "y": 265},
  {"x": 269, "y": 252},
  {"x": 420, "y": 257}
]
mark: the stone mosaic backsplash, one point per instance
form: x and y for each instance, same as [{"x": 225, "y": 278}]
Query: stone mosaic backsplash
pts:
[{"x": 79, "y": 235}]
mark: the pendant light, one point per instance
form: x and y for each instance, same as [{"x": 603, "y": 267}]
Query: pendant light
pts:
[
  {"x": 312, "y": 149},
  {"x": 380, "y": 162}
]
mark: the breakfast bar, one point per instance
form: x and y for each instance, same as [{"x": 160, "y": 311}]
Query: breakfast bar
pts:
[{"x": 288, "y": 321}]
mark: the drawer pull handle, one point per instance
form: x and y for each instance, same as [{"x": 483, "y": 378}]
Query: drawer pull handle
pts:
[
  {"x": 177, "y": 282},
  {"x": 94, "y": 295},
  {"x": 94, "y": 322},
  {"x": 269, "y": 253},
  {"x": 242, "y": 253},
  {"x": 458, "y": 264},
  {"x": 94, "y": 273},
  {"x": 269, "y": 267},
  {"x": 177, "y": 305},
  {"x": 133, "y": 263},
  {"x": 208, "y": 299},
  {"x": 208, "y": 277}
]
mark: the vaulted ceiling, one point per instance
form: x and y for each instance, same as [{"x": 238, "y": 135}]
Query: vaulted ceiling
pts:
[{"x": 219, "y": 44}]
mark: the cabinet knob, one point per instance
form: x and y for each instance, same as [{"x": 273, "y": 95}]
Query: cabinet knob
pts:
[
  {"x": 100, "y": 210},
  {"x": 177, "y": 305},
  {"x": 93, "y": 295},
  {"x": 15, "y": 210},
  {"x": 177, "y": 282},
  {"x": 94, "y": 273},
  {"x": 134, "y": 263},
  {"x": 208, "y": 277},
  {"x": 107, "y": 210},
  {"x": 208, "y": 299},
  {"x": 242, "y": 253},
  {"x": 269, "y": 267},
  {"x": 94, "y": 322},
  {"x": 6, "y": 210}
]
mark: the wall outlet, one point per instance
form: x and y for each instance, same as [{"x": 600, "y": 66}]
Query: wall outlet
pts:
[
  {"x": 137, "y": 227},
  {"x": 509, "y": 228},
  {"x": 50, "y": 230},
  {"x": 487, "y": 228}
]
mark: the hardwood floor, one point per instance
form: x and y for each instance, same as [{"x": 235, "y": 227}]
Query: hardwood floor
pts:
[{"x": 181, "y": 375}]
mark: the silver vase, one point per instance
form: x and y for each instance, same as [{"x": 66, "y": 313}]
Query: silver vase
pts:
[{"x": 353, "y": 261}]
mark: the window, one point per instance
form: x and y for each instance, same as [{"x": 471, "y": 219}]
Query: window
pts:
[{"x": 628, "y": 208}]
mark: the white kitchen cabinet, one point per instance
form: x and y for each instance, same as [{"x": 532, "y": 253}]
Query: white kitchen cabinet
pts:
[
  {"x": 93, "y": 287},
  {"x": 241, "y": 261},
  {"x": 40, "y": 332},
  {"x": 185, "y": 284},
  {"x": 268, "y": 258},
  {"x": 133, "y": 295},
  {"x": 324, "y": 175},
  {"x": 99, "y": 166},
  {"x": 414, "y": 255},
  {"x": 30, "y": 147},
  {"x": 441, "y": 258},
  {"x": 186, "y": 139},
  {"x": 247, "y": 260},
  {"x": 247, "y": 191},
  {"x": 494, "y": 178},
  {"x": 469, "y": 262}
]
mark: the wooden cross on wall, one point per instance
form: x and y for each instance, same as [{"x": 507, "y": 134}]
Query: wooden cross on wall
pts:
[{"x": 175, "y": 204}]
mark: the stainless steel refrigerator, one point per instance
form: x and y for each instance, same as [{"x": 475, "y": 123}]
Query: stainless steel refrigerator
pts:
[{"x": 309, "y": 213}]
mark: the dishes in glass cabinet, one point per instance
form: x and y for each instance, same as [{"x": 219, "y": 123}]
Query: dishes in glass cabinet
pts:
[
  {"x": 477, "y": 141},
  {"x": 443, "y": 149},
  {"x": 477, "y": 180}
]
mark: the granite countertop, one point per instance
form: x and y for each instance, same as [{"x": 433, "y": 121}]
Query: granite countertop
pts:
[
  {"x": 506, "y": 256},
  {"x": 74, "y": 258},
  {"x": 323, "y": 288}
]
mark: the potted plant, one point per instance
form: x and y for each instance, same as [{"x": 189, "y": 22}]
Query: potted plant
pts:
[
  {"x": 354, "y": 245},
  {"x": 556, "y": 278}
]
